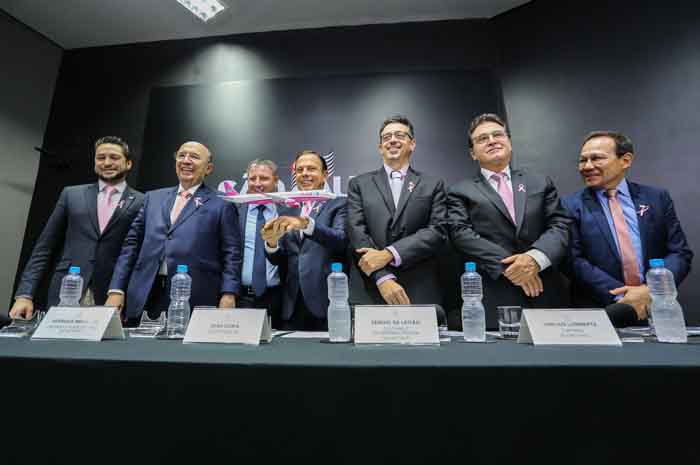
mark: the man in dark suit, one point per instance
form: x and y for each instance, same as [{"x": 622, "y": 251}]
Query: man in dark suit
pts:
[
  {"x": 261, "y": 285},
  {"x": 307, "y": 240},
  {"x": 618, "y": 226},
  {"x": 396, "y": 225},
  {"x": 183, "y": 225},
  {"x": 86, "y": 229},
  {"x": 510, "y": 222}
]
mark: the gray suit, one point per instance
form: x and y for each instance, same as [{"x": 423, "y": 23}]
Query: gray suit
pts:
[
  {"x": 416, "y": 228},
  {"x": 483, "y": 231},
  {"x": 72, "y": 237}
]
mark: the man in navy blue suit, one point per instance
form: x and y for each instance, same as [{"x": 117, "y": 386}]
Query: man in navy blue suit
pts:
[
  {"x": 183, "y": 225},
  {"x": 307, "y": 241},
  {"x": 618, "y": 227}
]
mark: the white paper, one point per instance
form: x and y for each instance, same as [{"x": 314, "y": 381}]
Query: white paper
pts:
[
  {"x": 567, "y": 327},
  {"x": 80, "y": 323},
  {"x": 229, "y": 326},
  {"x": 396, "y": 324}
]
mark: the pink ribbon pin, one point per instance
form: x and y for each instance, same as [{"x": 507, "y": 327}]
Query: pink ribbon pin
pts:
[
  {"x": 197, "y": 202},
  {"x": 521, "y": 187},
  {"x": 411, "y": 186},
  {"x": 120, "y": 205},
  {"x": 643, "y": 209}
]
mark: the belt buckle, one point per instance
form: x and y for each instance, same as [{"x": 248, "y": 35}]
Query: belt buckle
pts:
[{"x": 250, "y": 291}]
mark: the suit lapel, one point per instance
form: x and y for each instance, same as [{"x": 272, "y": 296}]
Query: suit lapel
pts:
[
  {"x": 590, "y": 200},
  {"x": 125, "y": 202},
  {"x": 483, "y": 185},
  {"x": 641, "y": 205},
  {"x": 380, "y": 179},
  {"x": 168, "y": 206},
  {"x": 200, "y": 197},
  {"x": 409, "y": 184},
  {"x": 519, "y": 185},
  {"x": 243, "y": 219},
  {"x": 91, "y": 202}
]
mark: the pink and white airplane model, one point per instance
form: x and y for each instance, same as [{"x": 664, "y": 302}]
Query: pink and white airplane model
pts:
[{"x": 291, "y": 199}]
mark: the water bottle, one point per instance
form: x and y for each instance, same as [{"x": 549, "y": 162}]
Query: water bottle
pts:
[
  {"x": 71, "y": 288},
  {"x": 667, "y": 313},
  {"x": 339, "y": 319},
  {"x": 473, "y": 313},
  {"x": 179, "y": 309}
]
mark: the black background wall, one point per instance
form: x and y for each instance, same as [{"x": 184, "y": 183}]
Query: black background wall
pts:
[{"x": 564, "y": 71}]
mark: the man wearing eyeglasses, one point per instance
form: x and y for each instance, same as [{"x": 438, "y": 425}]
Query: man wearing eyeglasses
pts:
[
  {"x": 618, "y": 226},
  {"x": 510, "y": 222},
  {"x": 396, "y": 225},
  {"x": 183, "y": 225}
]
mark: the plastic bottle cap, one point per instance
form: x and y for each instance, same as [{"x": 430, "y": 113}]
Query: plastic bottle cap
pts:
[
  {"x": 182, "y": 268},
  {"x": 74, "y": 270},
  {"x": 657, "y": 263},
  {"x": 336, "y": 267},
  {"x": 470, "y": 266}
]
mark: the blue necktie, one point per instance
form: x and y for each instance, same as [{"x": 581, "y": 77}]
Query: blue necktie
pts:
[{"x": 259, "y": 261}]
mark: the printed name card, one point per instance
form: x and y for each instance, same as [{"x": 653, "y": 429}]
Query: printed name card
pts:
[
  {"x": 396, "y": 324},
  {"x": 80, "y": 323},
  {"x": 567, "y": 327},
  {"x": 229, "y": 326}
]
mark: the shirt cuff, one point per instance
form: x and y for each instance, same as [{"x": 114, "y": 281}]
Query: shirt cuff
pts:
[
  {"x": 385, "y": 278},
  {"x": 309, "y": 229},
  {"x": 542, "y": 260},
  {"x": 28, "y": 297},
  {"x": 115, "y": 291},
  {"x": 271, "y": 250},
  {"x": 397, "y": 258}
]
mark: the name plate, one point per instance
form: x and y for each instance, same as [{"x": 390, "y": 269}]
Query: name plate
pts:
[
  {"x": 80, "y": 323},
  {"x": 396, "y": 324},
  {"x": 567, "y": 327},
  {"x": 229, "y": 326}
]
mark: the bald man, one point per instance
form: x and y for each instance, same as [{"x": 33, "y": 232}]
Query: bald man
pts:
[{"x": 183, "y": 225}]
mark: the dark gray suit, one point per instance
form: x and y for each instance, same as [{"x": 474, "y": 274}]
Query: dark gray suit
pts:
[
  {"x": 73, "y": 234},
  {"x": 483, "y": 231},
  {"x": 416, "y": 228}
]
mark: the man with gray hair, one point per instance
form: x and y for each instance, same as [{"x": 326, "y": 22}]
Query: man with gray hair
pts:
[{"x": 260, "y": 279}]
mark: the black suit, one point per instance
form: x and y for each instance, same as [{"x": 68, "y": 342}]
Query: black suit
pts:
[
  {"x": 73, "y": 232},
  {"x": 308, "y": 259},
  {"x": 483, "y": 231},
  {"x": 416, "y": 228}
]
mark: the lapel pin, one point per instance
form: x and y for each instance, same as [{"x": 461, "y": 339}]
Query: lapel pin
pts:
[
  {"x": 120, "y": 205},
  {"x": 643, "y": 209},
  {"x": 521, "y": 187},
  {"x": 198, "y": 202},
  {"x": 411, "y": 186}
]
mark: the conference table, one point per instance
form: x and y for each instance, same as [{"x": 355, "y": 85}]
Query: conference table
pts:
[{"x": 309, "y": 401}]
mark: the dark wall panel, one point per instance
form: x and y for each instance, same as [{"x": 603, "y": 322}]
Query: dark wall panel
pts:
[{"x": 625, "y": 65}]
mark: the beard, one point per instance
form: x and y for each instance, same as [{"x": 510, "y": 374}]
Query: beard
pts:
[{"x": 114, "y": 178}]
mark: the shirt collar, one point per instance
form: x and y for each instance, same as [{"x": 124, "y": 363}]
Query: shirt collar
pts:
[
  {"x": 488, "y": 173},
  {"x": 403, "y": 170},
  {"x": 118, "y": 187},
  {"x": 191, "y": 190},
  {"x": 622, "y": 189}
]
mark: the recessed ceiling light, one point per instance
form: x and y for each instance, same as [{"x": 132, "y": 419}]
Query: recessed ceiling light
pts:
[{"x": 203, "y": 9}]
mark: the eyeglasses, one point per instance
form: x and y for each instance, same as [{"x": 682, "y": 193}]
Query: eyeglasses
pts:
[
  {"x": 482, "y": 139},
  {"x": 399, "y": 135},
  {"x": 596, "y": 160}
]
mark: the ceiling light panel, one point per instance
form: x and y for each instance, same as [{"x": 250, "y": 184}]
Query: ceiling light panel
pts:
[{"x": 203, "y": 9}]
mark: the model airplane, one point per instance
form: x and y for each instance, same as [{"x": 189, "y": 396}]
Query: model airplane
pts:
[{"x": 291, "y": 199}]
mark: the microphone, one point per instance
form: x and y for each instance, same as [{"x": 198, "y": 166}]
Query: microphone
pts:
[{"x": 622, "y": 315}]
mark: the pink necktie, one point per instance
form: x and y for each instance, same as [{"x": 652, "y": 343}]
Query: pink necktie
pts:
[
  {"x": 505, "y": 192},
  {"x": 104, "y": 208},
  {"x": 630, "y": 267},
  {"x": 180, "y": 203}
]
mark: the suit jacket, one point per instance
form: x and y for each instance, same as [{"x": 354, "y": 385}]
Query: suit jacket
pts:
[
  {"x": 594, "y": 261},
  {"x": 416, "y": 228},
  {"x": 205, "y": 237},
  {"x": 73, "y": 234},
  {"x": 483, "y": 231},
  {"x": 308, "y": 260}
]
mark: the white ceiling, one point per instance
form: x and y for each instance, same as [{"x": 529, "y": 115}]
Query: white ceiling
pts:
[{"x": 92, "y": 23}]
